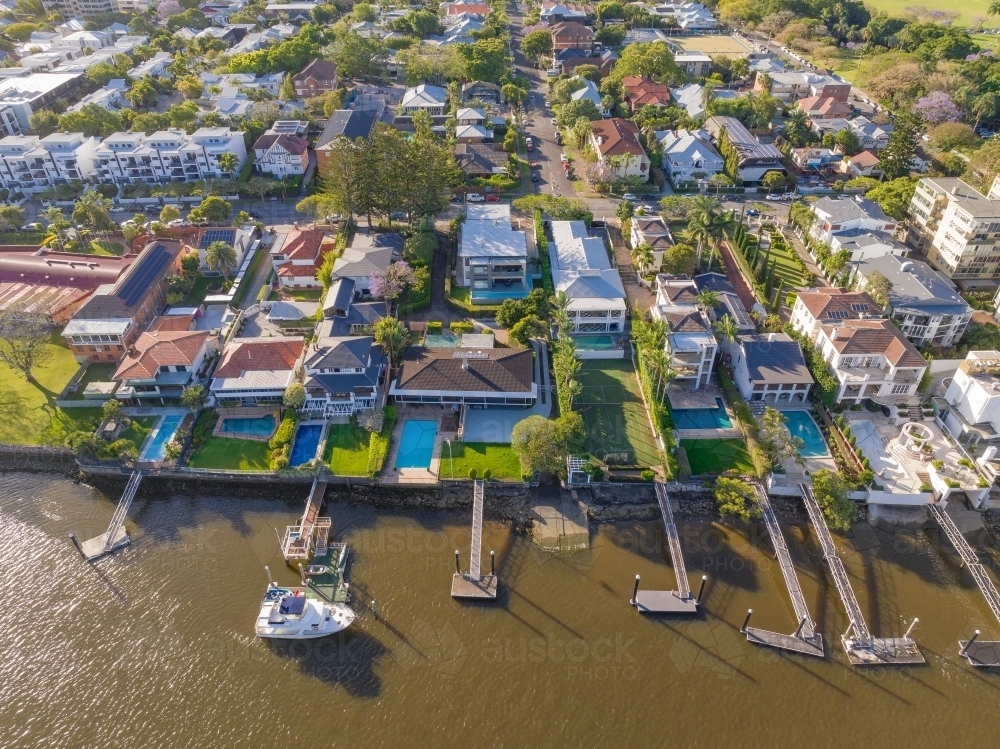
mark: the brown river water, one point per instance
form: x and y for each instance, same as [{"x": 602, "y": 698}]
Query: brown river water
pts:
[{"x": 155, "y": 647}]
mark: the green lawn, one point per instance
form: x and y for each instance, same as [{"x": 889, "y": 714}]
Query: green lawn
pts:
[
  {"x": 968, "y": 9},
  {"x": 104, "y": 247},
  {"x": 200, "y": 290},
  {"x": 139, "y": 429},
  {"x": 618, "y": 429},
  {"x": 500, "y": 459},
  {"x": 95, "y": 373},
  {"x": 28, "y": 413},
  {"x": 232, "y": 454},
  {"x": 347, "y": 450},
  {"x": 299, "y": 295},
  {"x": 717, "y": 456},
  {"x": 785, "y": 266}
]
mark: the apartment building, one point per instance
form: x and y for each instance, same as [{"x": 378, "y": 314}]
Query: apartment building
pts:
[
  {"x": 167, "y": 155},
  {"x": 70, "y": 8},
  {"x": 958, "y": 229},
  {"x": 972, "y": 403},
  {"x": 30, "y": 164}
]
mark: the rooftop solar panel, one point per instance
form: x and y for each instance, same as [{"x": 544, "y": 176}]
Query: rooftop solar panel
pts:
[
  {"x": 151, "y": 265},
  {"x": 217, "y": 235}
]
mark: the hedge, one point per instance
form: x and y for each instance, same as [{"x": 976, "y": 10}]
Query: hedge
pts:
[
  {"x": 542, "y": 243},
  {"x": 378, "y": 446},
  {"x": 462, "y": 326},
  {"x": 435, "y": 326},
  {"x": 286, "y": 430}
]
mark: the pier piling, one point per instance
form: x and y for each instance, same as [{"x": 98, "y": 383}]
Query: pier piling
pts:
[
  {"x": 701, "y": 589},
  {"x": 458, "y": 565},
  {"x": 72, "y": 537},
  {"x": 965, "y": 648},
  {"x": 635, "y": 590},
  {"x": 746, "y": 621}
]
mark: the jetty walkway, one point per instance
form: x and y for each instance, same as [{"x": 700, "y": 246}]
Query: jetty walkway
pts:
[{"x": 472, "y": 584}]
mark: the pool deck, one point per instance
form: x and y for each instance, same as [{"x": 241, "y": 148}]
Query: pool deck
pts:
[
  {"x": 709, "y": 434},
  {"x": 393, "y": 475},
  {"x": 684, "y": 398}
]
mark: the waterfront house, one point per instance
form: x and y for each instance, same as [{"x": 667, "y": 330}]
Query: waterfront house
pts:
[
  {"x": 481, "y": 378},
  {"x": 163, "y": 361},
  {"x": 690, "y": 343},
  {"x": 972, "y": 404},
  {"x": 492, "y": 255},
  {"x": 770, "y": 368},
  {"x": 257, "y": 371},
  {"x": 342, "y": 374}
]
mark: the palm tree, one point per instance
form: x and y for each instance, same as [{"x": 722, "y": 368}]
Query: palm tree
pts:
[
  {"x": 228, "y": 162},
  {"x": 994, "y": 8},
  {"x": 985, "y": 105},
  {"x": 707, "y": 299},
  {"x": 220, "y": 256},
  {"x": 726, "y": 329},
  {"x": 642, "y": 256}
]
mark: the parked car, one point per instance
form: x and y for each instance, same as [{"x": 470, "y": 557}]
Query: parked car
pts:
[
  {"x": 534, "y": 176},
  {"x": 553, "y": 120},
  {"x": 563, "y": 158},
  {"x": 475, "y": 197},
  {"x": 152, "y": 210},
  {"x": 530, "y": 145},
  {"x": 34, "y": 226},
  {"x": 492, "y": 197},
  {"x": 178, "y": 223},
  {"x": 456, "y": 199},
  {"x": 649, "y": 196},
  {"x": 753, "y": 212},
  {"x": 730, "y": 198},
  {"x": 772, "y": 196},
  {"x": 630, "y": 197},
  {"x": 559, "y": 140}
]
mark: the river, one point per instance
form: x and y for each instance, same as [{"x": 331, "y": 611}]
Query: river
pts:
[{"x": 154, "y": 646}]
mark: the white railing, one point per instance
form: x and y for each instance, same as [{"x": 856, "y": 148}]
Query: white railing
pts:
[{"x": 122, "y": 510}]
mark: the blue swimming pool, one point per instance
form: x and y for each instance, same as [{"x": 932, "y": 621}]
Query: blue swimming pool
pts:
[
  {"x": 703, "y": 418},
  {"x": 156, "y": 449},
  {"x": 306, "y": 442},
  {"x": 416, "y": 444},
  {"x": 261, "y": 427},
  {"x": 801, "y": 425}
]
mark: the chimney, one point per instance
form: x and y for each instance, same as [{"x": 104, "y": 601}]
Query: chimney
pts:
[
  {"x": 465, "y": 362},
  {"x": 833, "y": 334},
  {"x": 954, "y": 190}
]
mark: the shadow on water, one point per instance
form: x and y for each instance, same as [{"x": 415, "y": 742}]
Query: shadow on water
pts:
[{"x": 346, "y": 659}]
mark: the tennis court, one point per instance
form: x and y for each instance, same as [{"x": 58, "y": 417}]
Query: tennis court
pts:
[{"x": 618, "y": 430}]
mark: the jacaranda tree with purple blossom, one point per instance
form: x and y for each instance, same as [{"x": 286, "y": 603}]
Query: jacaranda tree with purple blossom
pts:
[
  {"x": 938, "y": 107},
  {"x": 393, "y": 281}
]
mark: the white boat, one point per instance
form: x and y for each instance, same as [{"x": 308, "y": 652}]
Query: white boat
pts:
[{"x": 287, "y": 614}]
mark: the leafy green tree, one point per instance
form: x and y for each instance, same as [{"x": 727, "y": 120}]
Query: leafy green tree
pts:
[
  {"x": 364, "y": 12},
  {"x": 485, "y": 60},
  {"x": 193, "y": 397},
  {"x": 894, "y": 196},
  {"x": 359, "y": 57},
  {"x": 830, "y": 490},
  {"x": 680, "y": 259},
  {"x": 93, "y": 211},
  {"x": 527, "y": 328},
  {"x": 542, "y": 444},
  {"x": 775, "y": 439},
  {"x": 287, "y": 90},
  {"x": 184, "y": 116},
  {"x": 849, "y": 141},
  {"x": 647, "y": 60},
  {"x": 390, "y": 334},
  {"x": 295, "y": 395},
  {"x": 142, "y": 93},
  {"x": 91, "y": 120},
  {"x": 735, "y": 498},
  {"x": 536, "y": 44},
  {"x": 44, "y": 122},
  {"x": 229, "y": 162},
  {"x": 220, "y": 256},
  {"x": 191, "y": 86},
  {"x": 773, "y": 180},
  {"x": 575, "y": 110},
  {"x": 624, "y": 211},
  {"x": 215, "y": 209},
  {"x": 898, "y": 154},
  {"x": 169, "y": 213},
  {"x": 11, "y": 217},
  {"x": 879, "y": 288},
  {"x": 101, "y": 73},
  {"x": 24, "y": 340}
]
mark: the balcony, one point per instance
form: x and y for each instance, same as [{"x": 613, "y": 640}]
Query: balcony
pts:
[{"x": 862, "y": 374}]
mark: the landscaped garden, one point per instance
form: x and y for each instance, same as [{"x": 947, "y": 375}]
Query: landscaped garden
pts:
[
  {"x": 28, "y": 413},
  {"x": 138, "y": 430},
  {"x": 232, "y": 454},
  {"x": 499, "y": 460},
  {"x": 347, "y": 449},
  {"x": 617, "y": 428},
  {"x": 717, "y": 456}
]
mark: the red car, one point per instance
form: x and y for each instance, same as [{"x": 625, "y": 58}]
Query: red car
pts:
[
  {"x": 492, "y": 197},
  {"x": 530, "y": 145}
]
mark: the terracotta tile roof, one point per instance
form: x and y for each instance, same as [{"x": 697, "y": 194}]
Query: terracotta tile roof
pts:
[
  {"x": 874, "y": 337},
  {"x": 571, "y": 29},
  {"x": 825, "y": 106},
  {"x": 617, "y": 137},
  {"x": 259, "y": 355},
  {"x": 293, "y": 144},
  {"x": 159, "y": 349},
  {"x": 838, "y": 304},
  {"x": 171, "y": 322},
  {"x": 504, "y": 371},
  {"x": 303, "y": 244},
  {"x": 641, "y": 91}
]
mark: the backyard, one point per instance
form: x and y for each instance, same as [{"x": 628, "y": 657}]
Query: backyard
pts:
[
  {"x": 717, "y": 456},
  {"x": 94, "y": 373},
  {"x": 347, "y": 450},
  {"x": 28, "y": 413},
  {"x": 617, "y": 428},
  {"x": 232, "y": 454},
  {"x": 787, "y": 265},
  {"x": 138, "y": 430},
  {"x": 499, "y": 459}
]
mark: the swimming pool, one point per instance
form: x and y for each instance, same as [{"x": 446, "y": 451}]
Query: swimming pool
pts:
[
  {"x": 416, "y": 444},
  {"x": 444, "y": 339},
  {"x": 801, "y": 425},
  {"x": 306, "y": 442},
  {"x": 594, "y": 342},
  {"x": 157, "y": 447},
  {"x": 261, "y": 427},
  {"x": 703, "y": 418}
]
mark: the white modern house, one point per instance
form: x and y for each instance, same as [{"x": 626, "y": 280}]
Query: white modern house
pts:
[
  {"x": 689, "y": 156},
  {"x": 492, "y": 255},
  {"x": 690, "y": 344},
  {"x": 923, "y": 301},
  {"x": 841, "y": 214},
  {"x": 427, "y": 98},
  {"x": 581, "y": 268},
  {"x": 972, "y": 401},
  {"x": 864, "y": 244}
]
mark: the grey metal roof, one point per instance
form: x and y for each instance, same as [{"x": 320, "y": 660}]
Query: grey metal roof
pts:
[
  {"x": 339, "y": 297},
  {"x": 919, "y": 287},
  {"x": 850, "y": 209},
  {"x": 351, "y": 123},
  {"x": 857, "y": 239},
  {"x": 774, "y": 358},
  {"x": 341, "y": 353}
]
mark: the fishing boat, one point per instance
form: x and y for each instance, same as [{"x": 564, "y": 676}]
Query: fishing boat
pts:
[{"x": 288, "y": 614}]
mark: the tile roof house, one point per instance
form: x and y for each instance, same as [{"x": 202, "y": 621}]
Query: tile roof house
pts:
[
  {"x": 318, "y": 77},
  {"x": 814, "y": 307},
  {"x": 863, "y": 164},
  {"x": 923, "y": 301},
  {"x": 281, "y": 155},
  {"x": 298, "y": 258},
  {"x": 131, "y": 301},
  {"x": 688, "y": 156},
  {"x": 653, "y": 231},
  {"x": 616, "y": 143},
  {"x": 770, "y": 368},
  {"x": 570, "y": 59},
  {"x": 571, "y": 35},
  {"x": 342, "y": 374},
  {"x": 824, "y": 107},
  {"x": 163, "y": 362},
  {"x": 256, "y": 371},
  {"x": 871, "y": 359},
  {"x": 640, "y": 92},
  {"x": 483, "y": 377},
  {"x": 689, "y": 342}
]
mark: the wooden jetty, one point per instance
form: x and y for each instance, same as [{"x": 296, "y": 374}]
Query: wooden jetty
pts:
[
  {"x": 862, "y": 649},
  {"x": 312, "y": 535},
  {"x": 116, "y": 536},
  {"x": 472, "y": 584},
  {"x": 805, "y": 639},
  {"x": 980, "y": 653},
  {"x": 678, "y": 601}
]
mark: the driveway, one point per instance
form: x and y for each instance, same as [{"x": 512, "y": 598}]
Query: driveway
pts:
[{"x": 743, "y": 290}]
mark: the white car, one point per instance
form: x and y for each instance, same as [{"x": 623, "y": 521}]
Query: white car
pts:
[
  {"x": 772, "y": 196},
  {"x": 630, "y": 197},
  {"x": 563, "y": 158},
  {"x": 475, "y": 197},
  {"x": 553, "y": 121}
]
